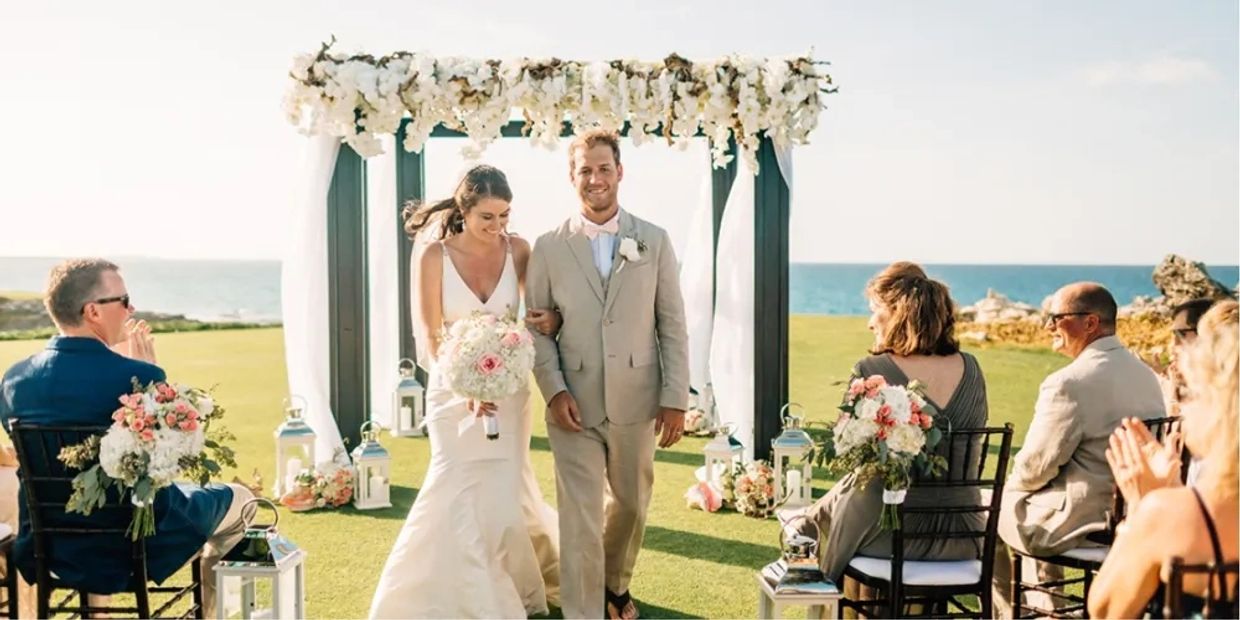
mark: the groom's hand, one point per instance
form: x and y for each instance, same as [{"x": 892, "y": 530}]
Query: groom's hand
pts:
[
  {"x": 564, "y": 412},
  {"x": 670, "y": 426}
]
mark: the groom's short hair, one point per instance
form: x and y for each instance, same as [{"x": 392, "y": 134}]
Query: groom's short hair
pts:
[
  {"x": 71, "y": 285},
  {"x": 592, "y": 138}
]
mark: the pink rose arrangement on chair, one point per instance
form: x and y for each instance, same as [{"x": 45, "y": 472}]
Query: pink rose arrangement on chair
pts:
[
  {"x": 884, "y": 432},
  {"x": 158, "y": 434}
]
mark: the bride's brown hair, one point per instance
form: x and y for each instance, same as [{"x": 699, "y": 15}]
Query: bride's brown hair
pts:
[{"x": 481, "y": 182}]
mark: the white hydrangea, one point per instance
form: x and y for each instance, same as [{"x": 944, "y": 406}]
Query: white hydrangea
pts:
[
  {"x": 897, "y": 398},
  {"x": 854, "y": 433},
  {"x": 906, "y": 439}
]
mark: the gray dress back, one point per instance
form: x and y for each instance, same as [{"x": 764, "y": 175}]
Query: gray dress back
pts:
[{"x": 847, "y": 517}]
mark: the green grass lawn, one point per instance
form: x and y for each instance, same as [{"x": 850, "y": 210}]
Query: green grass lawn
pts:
[{"x": 693, "y": 564}]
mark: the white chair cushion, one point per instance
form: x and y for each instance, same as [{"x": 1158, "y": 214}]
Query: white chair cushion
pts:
[
  {"x": 1087, "y": 554},
  {"x": 945, "y": 573}
]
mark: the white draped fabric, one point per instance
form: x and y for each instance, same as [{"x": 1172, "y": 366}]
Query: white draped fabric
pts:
[
  {"x": 732, "y": 337},
  {"x": 382, "y": 230},
  {"x": 696, "y": 275},
  {"x": 303, "y": 294}
]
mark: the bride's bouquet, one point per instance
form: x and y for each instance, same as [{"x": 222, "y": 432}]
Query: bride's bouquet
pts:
[
  {"x": 487, "y": 358},
  {"x": 158, "y": 434},
  {"x": 883, "y": 432}
]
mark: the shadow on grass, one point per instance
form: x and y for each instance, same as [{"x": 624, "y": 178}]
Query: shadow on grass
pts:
[
  {"x": 542, "y": 444},
  {"x": 709, "y": 548},
  {"x": 402, "y": 500}
]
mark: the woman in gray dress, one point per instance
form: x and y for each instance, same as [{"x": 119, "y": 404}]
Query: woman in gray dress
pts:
[{"x": 913, "y": 319}]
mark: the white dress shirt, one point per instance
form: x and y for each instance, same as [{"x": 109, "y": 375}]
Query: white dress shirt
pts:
[{"x": 603, "y": 246}]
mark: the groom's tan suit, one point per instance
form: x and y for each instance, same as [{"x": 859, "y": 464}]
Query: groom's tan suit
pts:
[{"x": 622, "y": 353}]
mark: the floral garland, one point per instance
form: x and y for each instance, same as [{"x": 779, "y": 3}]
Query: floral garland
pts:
[{"x": 359, "y": 97}]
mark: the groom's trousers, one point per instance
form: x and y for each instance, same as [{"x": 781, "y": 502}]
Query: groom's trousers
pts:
[{"x": 603, "y": 483}]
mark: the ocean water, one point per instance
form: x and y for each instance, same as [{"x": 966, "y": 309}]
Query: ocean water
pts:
[{"x": 250, "y": 290}]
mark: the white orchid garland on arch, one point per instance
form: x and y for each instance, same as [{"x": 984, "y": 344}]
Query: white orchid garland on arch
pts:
[{"x": 358, "y": 98}]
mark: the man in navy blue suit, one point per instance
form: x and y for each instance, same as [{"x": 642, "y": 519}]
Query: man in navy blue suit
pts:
[{"x": 78, "y": 379}]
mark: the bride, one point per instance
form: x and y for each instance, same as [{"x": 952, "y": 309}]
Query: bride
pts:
[{"x": 479, "y": 542}]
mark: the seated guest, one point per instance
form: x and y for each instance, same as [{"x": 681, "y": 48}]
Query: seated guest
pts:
[
  {"x": 913, "y": 319},
  {"x": 78, "y": 379},
  {"x": 1199, "y": 524},
  {"x": 1184, "y": 318},
  {"x": 1060, "y": 488}
]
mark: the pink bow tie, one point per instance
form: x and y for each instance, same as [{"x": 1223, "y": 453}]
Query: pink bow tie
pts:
[{"x": 592, "y": 230}]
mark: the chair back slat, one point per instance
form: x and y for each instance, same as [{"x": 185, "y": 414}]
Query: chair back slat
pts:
[{"x": 1219, "y": 602}]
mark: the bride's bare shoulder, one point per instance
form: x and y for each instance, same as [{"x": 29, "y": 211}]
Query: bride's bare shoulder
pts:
[{"x": 431, "y": 256}]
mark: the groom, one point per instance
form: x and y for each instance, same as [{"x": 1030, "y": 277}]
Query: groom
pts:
[{"x": 616, "y": 377}]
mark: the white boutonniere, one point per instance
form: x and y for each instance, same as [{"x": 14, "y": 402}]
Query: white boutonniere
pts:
[{"x": 631, "y": 250}]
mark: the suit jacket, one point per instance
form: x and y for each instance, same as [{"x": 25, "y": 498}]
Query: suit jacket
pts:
[
  {"x": 1061, "y": 487},
  {"x": 77, "y": 381},
  {"x": 623, "y": 350}
]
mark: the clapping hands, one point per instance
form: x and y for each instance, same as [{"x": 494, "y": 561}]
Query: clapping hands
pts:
[
  {"x": 138, "y": 344},
  {"x": 1140, "y": 463}
]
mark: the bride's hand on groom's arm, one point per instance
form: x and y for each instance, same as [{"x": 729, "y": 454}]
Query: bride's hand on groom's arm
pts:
[
  {"x": 669, "y": 425},
  {"x": 545, "y": 322},
  {"x": 564, "y": 412}
]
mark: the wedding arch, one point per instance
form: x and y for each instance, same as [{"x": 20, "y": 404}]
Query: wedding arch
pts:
[{"x": 345, "y": 284}]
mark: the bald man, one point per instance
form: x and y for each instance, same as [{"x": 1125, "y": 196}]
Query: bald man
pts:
[{"x": 1060, "y": 488}]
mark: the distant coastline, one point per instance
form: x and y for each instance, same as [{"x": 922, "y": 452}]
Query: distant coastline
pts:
[{"x": 248, "y": 291}]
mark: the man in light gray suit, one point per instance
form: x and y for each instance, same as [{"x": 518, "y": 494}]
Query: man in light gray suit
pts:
[
  {"x": 1061, "y": 487},
  {"x": 616, "y": 376}
]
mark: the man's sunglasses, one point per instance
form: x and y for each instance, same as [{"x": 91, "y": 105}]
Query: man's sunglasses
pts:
[
  {"x": 124, "y": 299},
  {"x": 1055, "y": 317}
]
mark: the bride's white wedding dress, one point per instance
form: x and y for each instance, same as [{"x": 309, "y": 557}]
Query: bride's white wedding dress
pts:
[{"x": 479, "y": 542}]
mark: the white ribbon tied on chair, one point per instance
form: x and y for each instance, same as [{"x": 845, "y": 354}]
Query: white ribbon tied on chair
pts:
[{"x": 894, "y": 497}]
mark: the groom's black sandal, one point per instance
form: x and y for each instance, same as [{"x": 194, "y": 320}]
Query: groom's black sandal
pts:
[{"x": 620, "y": 603}]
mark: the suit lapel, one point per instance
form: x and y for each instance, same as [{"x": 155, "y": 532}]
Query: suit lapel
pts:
[
  {"x": 628, "y": 228},
  {"x": 579, "y": 244}
]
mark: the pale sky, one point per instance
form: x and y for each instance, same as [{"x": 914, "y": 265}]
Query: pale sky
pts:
[{"x": 963, "y": 132}]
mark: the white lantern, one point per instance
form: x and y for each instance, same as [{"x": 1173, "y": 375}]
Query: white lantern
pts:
[
  {"x": 722, "y": 453},
  {"x": 261, "y": 555},
  {"x": 294, "y": 446},
  {"x": 373, "y": 465},
  {"x": 407, "y": 402},
  {"x": 791, "y": 453}
]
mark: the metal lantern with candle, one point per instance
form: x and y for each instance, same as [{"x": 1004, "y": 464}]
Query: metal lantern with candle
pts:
[
  {"x": 373, "y": 466},
  {"x": 721, "y": 453},
  {"x": 294, "y": 445},
  {"x": 792, "y": 453},
  {"x": 261, "y": 555},
  {"x": 407, "y": 402}
]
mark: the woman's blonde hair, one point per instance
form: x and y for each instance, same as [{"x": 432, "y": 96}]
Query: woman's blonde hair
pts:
[
  {"x": 1213, "y": 377},
  {"x": 922, "y": 315}
]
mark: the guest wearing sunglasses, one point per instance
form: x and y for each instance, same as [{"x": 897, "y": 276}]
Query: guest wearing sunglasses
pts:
[
  {"x": 1060, "y": 488},
  {"x": 77, "y": 380}
]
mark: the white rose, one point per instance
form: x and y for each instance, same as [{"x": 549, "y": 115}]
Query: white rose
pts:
[
  {"x": 205, "y": 406},
  {"x": 629, "y": 249},
  {"x": 897, "y": 399}
]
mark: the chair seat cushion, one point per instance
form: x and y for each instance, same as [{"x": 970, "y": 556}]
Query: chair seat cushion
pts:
[
  {"x": 923, "y": 573},
  {"x": 1087, "y": 554}
]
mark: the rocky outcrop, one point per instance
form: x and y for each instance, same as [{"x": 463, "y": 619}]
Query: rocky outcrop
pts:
[
  {"x": 997, "y": 308},
  {"x": 1180, "y": 280}
]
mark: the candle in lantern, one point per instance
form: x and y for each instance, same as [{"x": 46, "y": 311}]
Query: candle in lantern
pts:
[
  {"x": 406, "y": 416},
  {"x": 375, "y": 486},
  {"x": 291, "y": 468},
  {"x": 793, "y": 486}
]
